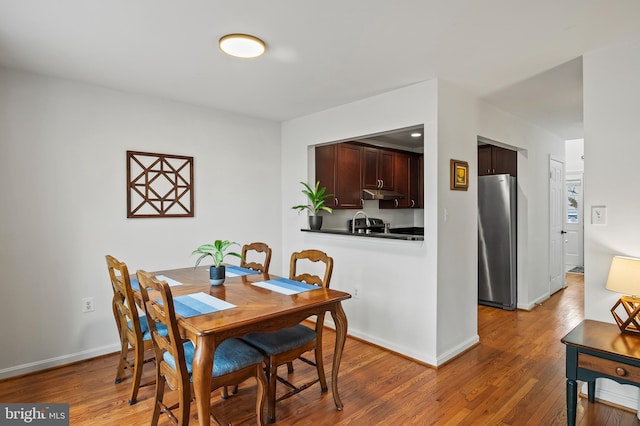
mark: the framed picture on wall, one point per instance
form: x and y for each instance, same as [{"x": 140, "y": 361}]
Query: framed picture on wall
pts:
[
  {"x": 459, "y": 175},
  {"x": 159, "y": 185}
]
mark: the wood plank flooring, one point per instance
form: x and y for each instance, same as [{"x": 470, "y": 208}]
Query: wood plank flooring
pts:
[{"x": 515, "y": 376}]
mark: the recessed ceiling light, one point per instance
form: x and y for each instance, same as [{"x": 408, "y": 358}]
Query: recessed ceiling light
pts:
[
  {"x": 416, "y": 135},
  {"x": 242, "y": 45}
]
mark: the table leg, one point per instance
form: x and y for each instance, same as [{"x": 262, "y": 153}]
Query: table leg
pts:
[
  {"x": 591, "y": 391},
  {"x": 340, "y": 321},
  {"x": 572, "y": 399},
  {"x": 201, "y": 372}
]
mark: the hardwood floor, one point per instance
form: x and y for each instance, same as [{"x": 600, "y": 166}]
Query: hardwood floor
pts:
[{"x": 515, "y": 376}]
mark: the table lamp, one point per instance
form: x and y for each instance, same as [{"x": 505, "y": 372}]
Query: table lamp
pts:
[{"x": 624, "y": 277}]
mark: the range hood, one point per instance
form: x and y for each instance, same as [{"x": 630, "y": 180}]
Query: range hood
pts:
[{"x": 380, "y": 194}]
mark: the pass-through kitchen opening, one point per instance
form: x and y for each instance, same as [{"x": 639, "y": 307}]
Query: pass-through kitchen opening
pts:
[{"x": 376, "y": 184}]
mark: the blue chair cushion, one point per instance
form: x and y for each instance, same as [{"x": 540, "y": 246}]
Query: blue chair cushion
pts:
[
  {"x": 231, "y": 355},
  {"x": 144, "y": 326},
  {"x": 282, "y": 340}
]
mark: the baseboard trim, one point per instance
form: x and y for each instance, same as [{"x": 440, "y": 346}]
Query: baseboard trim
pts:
[
  {"x": 613, "y": 393},
  {"x": 44, "y": 364}
]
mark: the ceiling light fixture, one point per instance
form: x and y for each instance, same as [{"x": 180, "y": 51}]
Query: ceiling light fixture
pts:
[
  {"x": 242, "y": 45},
  {"x": 416, "y": 135}
]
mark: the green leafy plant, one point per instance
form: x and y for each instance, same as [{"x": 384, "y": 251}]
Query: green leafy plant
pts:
[
  {"x": 316, "y": 197},
  {"x": 218, "y": 251}
]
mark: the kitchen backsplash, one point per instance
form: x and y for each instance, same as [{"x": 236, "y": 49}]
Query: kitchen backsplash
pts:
[{"x": 397, "y": 218}]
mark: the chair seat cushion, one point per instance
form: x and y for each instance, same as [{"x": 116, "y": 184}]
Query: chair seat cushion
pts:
[
  {"x": 282, "y": 340},
  {"x": 231, "y": 355},
  {"x": 144, "y": 326}
]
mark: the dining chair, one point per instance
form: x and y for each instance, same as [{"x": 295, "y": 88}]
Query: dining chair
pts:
[
  {"x": 286, "y": 345},
  {"x": 234, "y": 361},
  {"x": 252, "y": 251},
  {"x": 132, "y": 327},
  {"x": 258, "y": 248}
]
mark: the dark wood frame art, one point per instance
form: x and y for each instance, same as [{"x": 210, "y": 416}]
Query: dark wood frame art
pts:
[
  {"x": 459, "y": 175},
  {"x": 159, "y": 185}
]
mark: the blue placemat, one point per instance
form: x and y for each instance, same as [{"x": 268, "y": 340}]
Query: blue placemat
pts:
[
  {"x": 135, "y": 285},
  {"x": 286, "y": 286},
  {"x": 237, "y": 271},
  {"x": 191, "y": 305}
]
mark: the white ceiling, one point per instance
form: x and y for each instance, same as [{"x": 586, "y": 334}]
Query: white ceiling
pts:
[{"x": 322, "y": 53}]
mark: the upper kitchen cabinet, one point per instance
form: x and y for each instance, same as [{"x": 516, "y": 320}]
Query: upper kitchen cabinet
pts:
[
  {"x": 339, "y": 169},
  {"x": 407, "y": 181},
  {"x": 494, "y": 160},
  {"x": 377, "y": 168}
]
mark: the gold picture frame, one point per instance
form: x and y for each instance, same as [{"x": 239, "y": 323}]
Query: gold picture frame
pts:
[{"x": 459, "y": 175}]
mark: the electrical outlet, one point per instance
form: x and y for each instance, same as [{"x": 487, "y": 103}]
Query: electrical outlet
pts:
[
  {"x": 356, "y": 293},
  {"x": 87, "y": 304}
]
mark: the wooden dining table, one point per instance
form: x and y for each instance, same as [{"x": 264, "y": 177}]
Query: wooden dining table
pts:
[{"x": 256, "y": 310}]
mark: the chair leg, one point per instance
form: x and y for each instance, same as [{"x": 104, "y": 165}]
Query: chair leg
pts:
[
  {"x": 320, "y": 368},
  {"x": 261, "y": 395},
  {"x": 157, "y": 407},
  {"x": 224, "y": 393},
  {"x": 290, "y": 367},
  {"x": 272, "y": 375},
  {"x": 137, "y": 372},
  {"x": 184, "y": 399},
  {"x": 124, "y": 349}
]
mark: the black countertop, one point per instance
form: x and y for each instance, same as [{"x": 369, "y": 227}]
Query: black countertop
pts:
[{"x": 381, "y": 235}]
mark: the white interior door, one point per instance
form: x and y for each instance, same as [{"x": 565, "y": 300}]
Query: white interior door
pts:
[
  {"x": 556, "y": 222},
  {"x": 574, "y": 223}
]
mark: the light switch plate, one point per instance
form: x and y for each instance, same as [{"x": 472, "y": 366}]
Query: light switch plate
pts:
[{"x": 598, "y": 215}]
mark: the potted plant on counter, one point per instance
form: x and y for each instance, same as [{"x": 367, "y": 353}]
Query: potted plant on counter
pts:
[
  {"x": 316, "y": 197},
  {"x": 218, "y": 251}
]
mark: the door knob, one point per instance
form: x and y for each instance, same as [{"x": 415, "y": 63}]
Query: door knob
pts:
[{"x": 563, "y": 232}]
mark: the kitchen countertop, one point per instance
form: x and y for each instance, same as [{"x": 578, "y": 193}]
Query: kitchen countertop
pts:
[{"x": 389, "y": 236}]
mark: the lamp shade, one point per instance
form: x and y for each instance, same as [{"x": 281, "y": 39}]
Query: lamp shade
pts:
[{"x": 624, "y": 275}]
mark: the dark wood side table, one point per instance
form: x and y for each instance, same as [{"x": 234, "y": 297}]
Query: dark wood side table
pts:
[{"x": 598, "y": 349}]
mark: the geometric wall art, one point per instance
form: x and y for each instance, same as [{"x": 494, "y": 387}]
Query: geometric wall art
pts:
[{"x": 159, "y": 185}]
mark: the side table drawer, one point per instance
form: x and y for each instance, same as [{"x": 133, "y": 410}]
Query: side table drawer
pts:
[{"x": 611, "y": 368}]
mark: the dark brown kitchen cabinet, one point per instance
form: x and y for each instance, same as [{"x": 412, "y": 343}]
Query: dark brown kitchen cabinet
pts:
[
  {"x": 416, "y": 176},
  {"x": 377, "y": 168},
  {"x": 406, "y": 172},
  {"x": 494, "y": 160},
  {"x": 339, "y": 169},
  {"x": 421, "y": 181}
]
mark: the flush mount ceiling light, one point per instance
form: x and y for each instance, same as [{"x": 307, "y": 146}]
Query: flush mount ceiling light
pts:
[{"x": 242, "y": 45}]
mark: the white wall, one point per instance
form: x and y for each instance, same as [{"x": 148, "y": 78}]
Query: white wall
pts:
[
  {"x": 611, "y": 111},
  {"x": 397, "y": 305},
  {"x": 62, "y": 183},
  {"x": 574, "y": 152},
  {"x": 611, "y": 152},
  {"x": 457, "y": 223}
]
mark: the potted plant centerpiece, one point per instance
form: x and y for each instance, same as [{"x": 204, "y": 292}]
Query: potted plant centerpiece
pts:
[
  {"x": 218, "y": 251},
  {"x": 316, "y": 197}
]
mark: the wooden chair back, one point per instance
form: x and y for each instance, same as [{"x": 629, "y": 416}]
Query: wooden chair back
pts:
[
  {"x": 177, "y": 378},
  {"x": 125, "y": 310},
  {"x": 259, "y": 248},
  {"x": 164, "y": 314},
  {"x": 311, "y": 255},
  {"x": 124, "y": 300}
]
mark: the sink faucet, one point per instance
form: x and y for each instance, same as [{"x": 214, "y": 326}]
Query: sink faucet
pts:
[{"x": 353, "y": 221}]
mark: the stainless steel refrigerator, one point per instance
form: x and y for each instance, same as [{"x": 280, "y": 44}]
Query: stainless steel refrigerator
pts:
[{"x": 497, "y": 282}]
